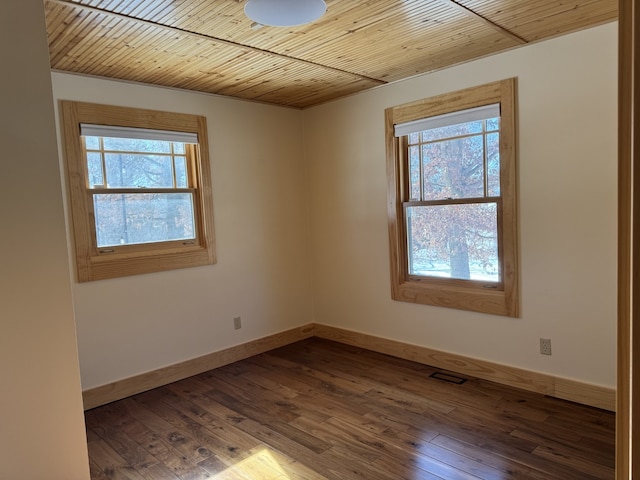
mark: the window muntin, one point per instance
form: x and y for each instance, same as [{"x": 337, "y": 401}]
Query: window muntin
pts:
[
  {"x": 428, "y": 205},
  {"x": 140, "y": 190},
  {"x": 451, "y": 212}
]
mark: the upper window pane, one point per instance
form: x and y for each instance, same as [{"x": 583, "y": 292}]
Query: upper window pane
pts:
[
  {"x": 452, "y": 131},
  {"x": 493, "y": 124},
  {"x": 414, "y": 172},
  {"x": 136, "y": 163},
  {"x": 94, "y": 167},
  {"x": 92, "y": 143},
  {"x": 138, "y": 171},
  {"x": 455, "y": 162},
  {"x": 493, "y": 164},
  {"x": 136, "y": 145},
  {"x": 178, "y": 148},
  {"x": 181, "y": 172},
  {"x": 453, "y": 168}
]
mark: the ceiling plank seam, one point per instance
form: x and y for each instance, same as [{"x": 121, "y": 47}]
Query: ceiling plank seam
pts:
[
  {"x": 486, "y": 21},
  {"x": 247, "y": 48}
]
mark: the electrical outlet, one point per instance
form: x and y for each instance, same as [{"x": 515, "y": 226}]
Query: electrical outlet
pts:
[
  {"x": 237, "y": 323},
  {"x": 545, "y": 346}
]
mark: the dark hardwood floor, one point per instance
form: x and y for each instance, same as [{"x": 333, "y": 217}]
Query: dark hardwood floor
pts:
[{"x": 318, "y": 409}]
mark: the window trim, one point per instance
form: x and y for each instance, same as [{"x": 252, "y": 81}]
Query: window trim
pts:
[
  {"x": 91, "y": 264},
  {"x": 459, "y": 294}
]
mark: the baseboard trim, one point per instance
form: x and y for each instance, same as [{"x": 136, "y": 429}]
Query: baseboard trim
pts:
[
  {"x": 567, "y": 389},
  {"x": 120, "y": 389}
]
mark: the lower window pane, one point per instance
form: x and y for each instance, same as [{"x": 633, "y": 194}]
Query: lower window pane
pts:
[
  {"x": 454, "y": 241},
  {"x": 126, "y": 219}
]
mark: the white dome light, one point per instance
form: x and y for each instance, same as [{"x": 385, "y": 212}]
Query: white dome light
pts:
[{"x": 284, "y": 13}]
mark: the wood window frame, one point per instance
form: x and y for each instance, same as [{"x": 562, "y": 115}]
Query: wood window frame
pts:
[
  {"x": 460, "y": 294},
  {"x": 93, "y": 263}
]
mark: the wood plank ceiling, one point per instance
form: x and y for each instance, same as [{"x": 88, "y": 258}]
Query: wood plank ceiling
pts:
[{"x": 211, "y": 46}]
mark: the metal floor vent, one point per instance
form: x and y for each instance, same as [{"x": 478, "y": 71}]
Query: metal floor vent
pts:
[{"x": 447, "y": 377}]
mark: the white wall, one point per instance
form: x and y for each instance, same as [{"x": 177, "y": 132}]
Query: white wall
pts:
[
  {"x": 270, "y": 178},
  {"x": 131, "y": 325},
  {"x": 567, "y": 178},
  {"x": 41, "y": 423}
]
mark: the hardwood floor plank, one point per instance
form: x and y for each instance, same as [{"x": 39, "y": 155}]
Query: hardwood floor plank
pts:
[
  {"x": 266, "y": 379},
  {"x": 180, "y": 452},
  {"x": 579, "y": 449},
  {"x": 112, "y": 430},
  {"x": 391, "y": 373},
  {"x": 111, "y": 464},
  {"x": 254, "y": 394},
  {"x": 598, "y": 450},
  {"x": 468, "y": 425},
  {"x": 399, "y": 451},
  {"x": 275, "y": 423},
  {"x": 280, "y": 443},
  {"x": 319, "y": 410},
  {"x": 96, "y": 471},
  {"x": 565, "y": 456},
  {"x": 510, "y": 468},
  {"x": 294, "y": 469}
]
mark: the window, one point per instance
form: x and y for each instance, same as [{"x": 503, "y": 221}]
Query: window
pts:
[
  {"x": 140, "y": 193},
  {"x": 452, "y": 200}
]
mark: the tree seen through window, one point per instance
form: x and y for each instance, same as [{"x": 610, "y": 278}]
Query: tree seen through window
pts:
[
  {"x": 140, "y": 190},
  {"x": 451, "y": 213}
]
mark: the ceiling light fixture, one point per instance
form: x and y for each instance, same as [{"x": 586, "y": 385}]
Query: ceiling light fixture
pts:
[{"x": 284, "y": 13}]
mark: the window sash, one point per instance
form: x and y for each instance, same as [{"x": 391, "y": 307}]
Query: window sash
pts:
[
  {"x": 177, "y": 159},
  {"x": 137, "y": 227},
  {"x": 475, "y": 278},
  {"x": 490, "y": 177}
]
